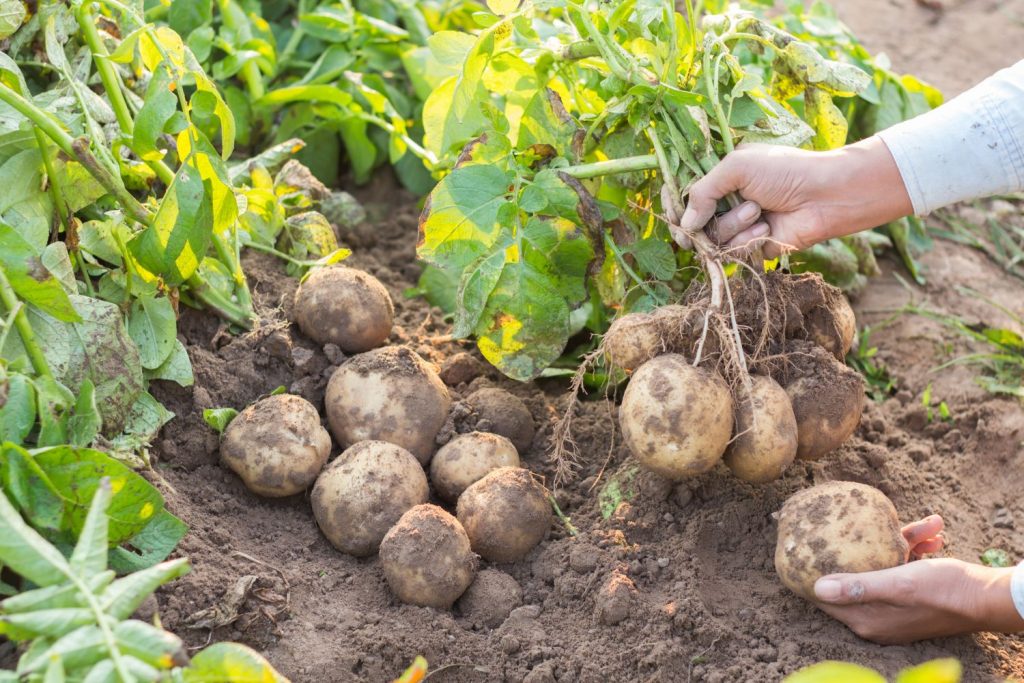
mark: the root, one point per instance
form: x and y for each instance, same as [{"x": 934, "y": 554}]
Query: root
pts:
[{"x": 565, "y": 454}]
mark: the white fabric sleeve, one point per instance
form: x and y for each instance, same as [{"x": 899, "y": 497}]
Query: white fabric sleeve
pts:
[
  {"x": 1017, "y": 588},
  {"x": 967, "y": 148}
]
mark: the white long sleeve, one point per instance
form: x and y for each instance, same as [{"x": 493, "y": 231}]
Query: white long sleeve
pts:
[{"x": 969, "y": 147}]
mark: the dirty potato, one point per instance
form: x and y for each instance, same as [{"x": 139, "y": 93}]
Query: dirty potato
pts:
[
  {"x": 466, "y": 459},
  {"x": 505, "y": 414},
  {"x": 344, "y": 306},
  {"x": 505, "y": 514},
  {"x": 766, "y": 433}
]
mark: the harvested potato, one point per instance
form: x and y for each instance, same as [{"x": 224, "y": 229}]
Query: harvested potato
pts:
[
  {"x": 632, "y": 340},
  {"x": 505, "y": 414},
  {"x": 466, "y": 459},
  {"x": 277, "y": 445},
  {"x": 505, "y": 514},
  {"x": 426, "y": 558},
  {"x": 828, "y": 400},
  {"x": 344, "y": 306},
  {"x": 766, "y": 433},
  {"x": 364, "y": 492},
  {"x": 676, "y": 418},
  {"x": 832, "y": 326},
  {"x": 836, "y": 527},
  {"x": 388, "y": 394}
]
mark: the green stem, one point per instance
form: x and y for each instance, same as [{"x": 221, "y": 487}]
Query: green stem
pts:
[
  {"x": 414, "y": 147},
  {"x": 251, "y": 75},
  {"x": 280, "y": 254},
  {"x": 52, "y": 180},
  {"x": 561, "y": 515},
  {"x": 43, "y": 120},
  {"x": 80, "y": 150},
  {"x": 643, "y": 162},
  {"x": 620, "y": 257},
  {"x": 28, "y": 337},
  {"x": 581, "y": 49},
  {"x": 285, "y": 58},
  {"x": 215, "y": 301}
]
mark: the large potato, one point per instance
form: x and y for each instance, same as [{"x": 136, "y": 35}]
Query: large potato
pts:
[
  {"x": 364, "y": 492},
  {"x": 344, "y": 306},
  {"x": 766, "y": 433},
  {"x": 505, "y": 414},
  {"x": 466, "y": 459},
  {"x": 828, "y": 400},
  {"x": 836, "y": 527},
  {"x": 388, "y": 394},
  {"x": 505, "y": 514},
  {"x": 675, "y": 418},
  {"x": 276, "y": 446},
  {"x": 426, "y": 558}
]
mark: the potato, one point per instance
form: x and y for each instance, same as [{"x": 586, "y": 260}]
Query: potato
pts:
[
  {"x": 363, "y": 492},
  {"x": 675, "y": 418},
  {"x": 832, "y": 327},
  {"x": 426, "y": 558},
  {"x": 828, "y": 400},
  {"x": 766, "y": 433},
  {"x": 505, "y": 414},
  {"x": 344, "y": 306},
  {"x": 277, "y": 445},
  {"x": 836, "y": 527},
  {"x": 632, "y": 340},
  {"x": 505, "y": 514},
  {"x": 466, "y": 459},
  {"x": 388, "y": 394}
]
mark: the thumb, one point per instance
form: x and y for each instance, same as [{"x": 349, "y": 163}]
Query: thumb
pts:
[
  {"x": 728, "y": 176},
  {"x": 851, "y": 589}
]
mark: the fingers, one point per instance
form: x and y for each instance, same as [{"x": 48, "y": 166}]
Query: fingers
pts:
[
  {"x": 888, "y": 585},
  {"x": 750, "y": 238},
  {"x": 727, "y": 226},
  {"x": 932, "y": 545},
  {"x": 923, "y": 530},
  {"x": 728, "y": 176}
]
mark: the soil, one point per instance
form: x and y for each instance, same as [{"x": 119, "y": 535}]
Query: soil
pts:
[{"x": 678, "y": 583}]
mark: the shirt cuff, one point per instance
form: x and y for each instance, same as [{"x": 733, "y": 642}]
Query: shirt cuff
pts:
[{"x": 1017, "y": 588}]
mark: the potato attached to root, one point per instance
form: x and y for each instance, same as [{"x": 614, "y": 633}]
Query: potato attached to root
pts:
[
  {"x": 676, "y": 418},
  {"x": 466, "y": 459},
  {"x": 388, "y": 394},
  {"x": 276, "y": 446},
  {"x": 364, "y": 492},
  {"x": 836, "y": 527},
  {"x": 426, "y": 558},
  {"x": 766, "y": 433},
  {"x": 344, "y": 306},
  {"x": 505, "y": 514},
  {"x": 636, "y": 338}
]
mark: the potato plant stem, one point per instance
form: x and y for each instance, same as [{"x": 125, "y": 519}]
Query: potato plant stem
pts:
[
  {"x": 643, "y": 162},
  {"x": 217, "y": 302},
  {"x": 28, "y": 337}
]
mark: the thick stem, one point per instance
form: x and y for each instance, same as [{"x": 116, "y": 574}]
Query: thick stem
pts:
[
  {"x": 28, "y": 337},
  {"x": 43, "y": 120},
  {"x": 80, "y": 150},
  {"x": 217, "y": 302},
  {"x": 581, "y": 49},
  {"x": 644, "y": 162},
  {"x": 614, "y": 248}
]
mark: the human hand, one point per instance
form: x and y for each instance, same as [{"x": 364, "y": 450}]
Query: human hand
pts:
[
  {"x": 924, "y": 599},
  {"x": 803, "y": 197}
]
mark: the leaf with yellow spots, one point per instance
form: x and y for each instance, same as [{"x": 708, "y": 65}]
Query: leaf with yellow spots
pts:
[
  {"x": 230, "y": 662},
  {"x": 829, "y": 124}
]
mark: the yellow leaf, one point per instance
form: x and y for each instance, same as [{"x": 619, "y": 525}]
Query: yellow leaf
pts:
[
  {"x": 936, "y": 671},
  {"x": 829, "y": 125},
  {"x": 503, "y": 7},
  {"x": 835, "y": 672}
]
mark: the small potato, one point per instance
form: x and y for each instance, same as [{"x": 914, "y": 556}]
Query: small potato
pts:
[
  {"x": 675, "y": 418},
  {"x": 766, "y": 439},
  {"x": 632, "y": 340},
  {"x": 505, "y": 414},
  {"x": 364, "y": 492},
  {"x": 505, "y": 514},
  {"x": 836, "y": 527},
  {"x": 388, "y": 394},
  {"x": 466, "y": 459},
  {"x": 277, "y": 445},
  {"x": 832, "y": 327},
  {"x": 828, "y": 400},
  {"x": 426, "y": 558},
  {"x": 344, "y": 306}
]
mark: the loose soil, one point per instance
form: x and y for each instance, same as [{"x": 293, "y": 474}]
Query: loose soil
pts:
[{"x": 677, "y": 584}]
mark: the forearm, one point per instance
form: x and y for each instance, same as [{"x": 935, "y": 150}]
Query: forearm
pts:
[{"x": 998, "y": 591}]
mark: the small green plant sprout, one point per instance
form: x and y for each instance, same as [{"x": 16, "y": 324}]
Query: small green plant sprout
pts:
[
  {"x": 219, "y": 418},
  {"x": 996, "y": 557},
  {"x": 941, "y": 410},
  {"x": 880, "y": 384},
  {"x": 935, "y": 671}
]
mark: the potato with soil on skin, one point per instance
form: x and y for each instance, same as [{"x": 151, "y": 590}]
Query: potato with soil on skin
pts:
[
  {"x": 344, "y": 306},
  {"x": 506, "y": 415},
  {"x": 676, "y": 419},
  {"x": 363, "y": 492},
  {"x": 766, "y": 433},
  {"x": 277, "y": 445},
  {"x": 388, "y": 394},
  {"x": 827, "y": 398},
  {"x": 505, "y": 514},
  {"x": 832, "y": 327},
  {"x": 836, "y": 527},
  {"x": 466, "y": 459},
  {"x": 426, "y": 558},
  {"x": 632, "y": 340}
]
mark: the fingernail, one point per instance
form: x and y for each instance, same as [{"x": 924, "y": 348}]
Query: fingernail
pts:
[
  {"x": 749, "y": 212},
  {"x": 828, "y": 590},
  {"x": 760, "y": 230},
  {"x": 689, "y": 219}
]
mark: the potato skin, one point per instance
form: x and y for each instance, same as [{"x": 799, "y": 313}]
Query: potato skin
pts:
[
  {"x": 836, "y": 527},
  {"x": 466, "y": 459},
  {"x": 363, "y": 492},
  {"x": 832, "y": 326},
  {"x": 344, "y": 306},
  {"x": 632, "y": 340},
  {"x": 828, "y": 401},
  {"x": 426, "y": 558},
  {"x": 507, "y": 415},
  {"x": 388, "y": 394},
  {"x": 675, "y": 418},
  {"x": 505, "y": 514},
  {"x": 766, "y": 440},
  {"x": 276, "y": 446}
]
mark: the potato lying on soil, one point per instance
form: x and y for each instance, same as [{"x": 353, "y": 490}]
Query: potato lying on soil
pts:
[
  {"x": 766, "y": 433},
  {"x": 505, "y": 514},
  {"x": 828, "y": 400},
  {"x": 388, "y": 394},
  {"x": 675, "y": 418},
  {"x": 344, "y": 306},
  {"x": 364, "y": 492},
  {"x": 466, "y": 459},
  {"x": 836, "y": 527},
  {"x": 505, "y": 414},
  {"x": 277, "y": 445},
  {"x": 426, "y": 558}
]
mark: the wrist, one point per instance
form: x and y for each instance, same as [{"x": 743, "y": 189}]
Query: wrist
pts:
[{"x": 994, "y": 608}]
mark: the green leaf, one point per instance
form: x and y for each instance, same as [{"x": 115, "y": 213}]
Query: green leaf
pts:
[
  {"x": 153, "y": 327},
  {"x": 656, "y": 257},
  {"x": 185, "y": 16},
  {"x": 85, "y": 422},
  {"x": 177, "y": 368},
  {"x": 829, "y": 125},
  {"x": 23, "y": 266},
  {"x": 219, "y": 418},
  {"x": 55, "y": 597},
  {"x": 834, "y": 672},
  {"x": 158, "y": 108},
  {"x": 946, "y": 670},
  {"x": 90, "y": 554},
  {"x": 50, "y": 623},
  {"x": 18, "y": 413},
  {"x": 150, "y": 644},
  {"x": 502, "y": 7},
  {"x": 996, "y": 557},
  {"x": 124, "y": 596},
  {"x": 230, "y": 662},
  {"x": 12, "y": 15},
  {"x": 151, "y": 545},
  {"x": 27, "y": 553}
]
